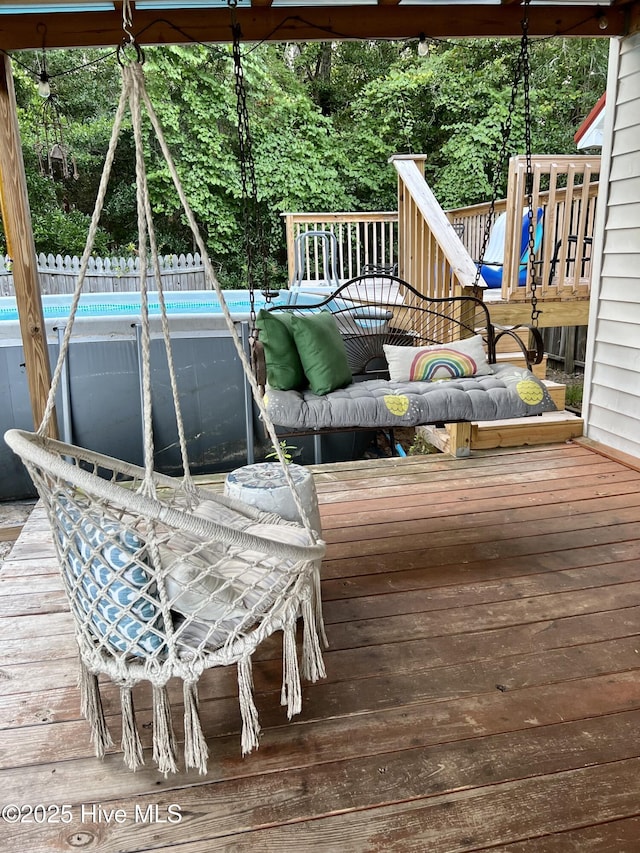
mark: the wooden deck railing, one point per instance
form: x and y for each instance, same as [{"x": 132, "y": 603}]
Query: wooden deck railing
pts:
[
  {"x": 436, "y": 251},
  {"x": 364, "y": 239},
  {"x": 566, "y": 188},
  {"x": 431, "y": 255}
]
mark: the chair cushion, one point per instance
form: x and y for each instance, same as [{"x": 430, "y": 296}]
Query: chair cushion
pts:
[
  {"x": 508, "y": 392},
  {"x": 217, "y": 590},
  {"x": 449, "y": 361},
  {"x": 284, "y": 368},
  {"x": 106, "y": 569},
  {"x": 322, "y": 351}
]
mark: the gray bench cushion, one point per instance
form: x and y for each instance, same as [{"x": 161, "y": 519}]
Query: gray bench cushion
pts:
[{"x": 508, "y": 392}]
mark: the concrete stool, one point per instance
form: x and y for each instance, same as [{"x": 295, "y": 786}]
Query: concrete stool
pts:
[{"x": 263, "y": 485}]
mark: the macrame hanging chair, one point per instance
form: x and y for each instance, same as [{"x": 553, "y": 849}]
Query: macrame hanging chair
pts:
[{"x": 166, "y": 579}]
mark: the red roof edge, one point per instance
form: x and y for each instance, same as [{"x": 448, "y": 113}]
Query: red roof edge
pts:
[{"x": 593, "y": 115}]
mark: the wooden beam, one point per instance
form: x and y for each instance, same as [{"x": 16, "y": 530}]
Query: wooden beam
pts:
[
  {"x": 553, "y": 313},
  {"x": 16, "y": 218},
  {"x": 305, "y": 23}
]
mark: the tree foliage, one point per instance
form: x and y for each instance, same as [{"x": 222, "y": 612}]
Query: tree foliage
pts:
[{"x": 325, "y": 118}]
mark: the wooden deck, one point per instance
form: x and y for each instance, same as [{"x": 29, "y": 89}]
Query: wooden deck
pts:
[{"x": 483, "y": 686}]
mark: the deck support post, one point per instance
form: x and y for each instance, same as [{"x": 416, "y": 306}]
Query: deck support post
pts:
[
  {"x": 16, "y": 218},
  {"x": 453, "y": 439}
]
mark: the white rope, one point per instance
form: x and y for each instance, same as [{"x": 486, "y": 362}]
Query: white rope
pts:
[
  {"x": 141, "y": 188},
  {"x": 137, "y": 120},
  {"x": 84, "y": 262},
  {"x": 210, "y": 274},
  {"x": 95, "y": 519}
]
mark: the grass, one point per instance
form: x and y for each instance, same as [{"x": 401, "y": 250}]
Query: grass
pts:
[{"x": 574, "y": 396}]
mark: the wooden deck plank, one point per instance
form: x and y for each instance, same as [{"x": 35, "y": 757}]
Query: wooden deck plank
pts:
[
  {"x": 432, "y": 598},
  {"x": 611, "y": 837},
  {"x": 431, "y": 646},
  {"x": 490, "y": 499},
  {"x": 457, "y": 517},
  {"x": 401, "y": 776},
  {"x": 437, "y": 466},
  {"x": 441, "y": 481},
  {"x": 28, "y": 568},
  {"x": 482, "y": 687},
  {"x": 344, "y": 566},
  {"x": 448, "y": 663},
  {"x": 440, "y": 721},
  {"x": 448, "y": 534},
  {"x": 457, "y": 822}
]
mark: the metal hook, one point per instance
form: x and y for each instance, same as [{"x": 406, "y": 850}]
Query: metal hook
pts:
[
  {"x": 121, "y": 56},
  {"x": 127, "y": 20},
  {"x": 233, "y": 5},
  {"x": 130, "y": 40}
]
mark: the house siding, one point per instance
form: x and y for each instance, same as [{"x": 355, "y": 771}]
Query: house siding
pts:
[{"x": 612, "y": 377}]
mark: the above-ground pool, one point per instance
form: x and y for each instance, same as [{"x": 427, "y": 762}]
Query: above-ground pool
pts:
[
  {"x": 111, "y": 313},
  {"x": 98, "y": 404}
]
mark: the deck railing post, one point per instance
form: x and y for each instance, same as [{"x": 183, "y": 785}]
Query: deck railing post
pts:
[{"x": 431, "y": 256}]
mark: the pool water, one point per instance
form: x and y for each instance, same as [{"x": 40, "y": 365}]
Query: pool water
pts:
[{"x": 128, "y": 304}]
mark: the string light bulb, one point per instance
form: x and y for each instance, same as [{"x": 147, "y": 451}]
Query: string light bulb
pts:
[
  {"x": 423, "y": 45},
  {"x": 603, "y": 22},
  {"x": 44, "y": 89}
]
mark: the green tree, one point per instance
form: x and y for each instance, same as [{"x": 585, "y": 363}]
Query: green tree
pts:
[
  {"x": 453, "y": 105},
  {"x": 296, "y": 158},
  {"x": 325, "y": 117}
]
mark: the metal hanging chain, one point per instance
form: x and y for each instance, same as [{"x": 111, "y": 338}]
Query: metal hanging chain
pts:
[
  {"x": 499, "y": 164},
  {"x": 250, "y": 206},
  {"x": 522, "y": 70},
  {"x": 531, "y": 257}
]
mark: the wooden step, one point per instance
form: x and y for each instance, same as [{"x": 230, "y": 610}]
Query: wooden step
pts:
[
  {"x": 507, "y": 344},
  {"x": 516, "y": 358},
  {"x": 549, "y": 428},
  {"x": 459, "y": 439},
  {"x": 557, "y": 392}
]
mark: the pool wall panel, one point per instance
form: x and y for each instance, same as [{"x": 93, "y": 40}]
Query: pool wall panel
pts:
[
  {"x": 15, "y": 411},
  {"x": 106, "y": 411},
  {"x": 104, "y": 388}
]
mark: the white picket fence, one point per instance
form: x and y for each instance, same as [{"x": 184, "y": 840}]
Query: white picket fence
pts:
[{"x": 109, "y": 275}]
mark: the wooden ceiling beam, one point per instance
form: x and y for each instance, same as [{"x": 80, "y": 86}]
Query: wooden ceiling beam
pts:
[{"x": 298, "y": 23}]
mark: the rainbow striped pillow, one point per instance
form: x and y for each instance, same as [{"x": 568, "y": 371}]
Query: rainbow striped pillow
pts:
[{"x": 443, "y": 361}]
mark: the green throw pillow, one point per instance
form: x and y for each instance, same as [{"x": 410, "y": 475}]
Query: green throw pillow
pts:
[
  {"x": 284, "y": 369},
  {"x": 322, "y": 352}
]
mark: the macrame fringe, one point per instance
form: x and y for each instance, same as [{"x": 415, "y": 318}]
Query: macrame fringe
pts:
[
  {"x": 196, "y": 751},
  {"x": 131, "y": 746},
  {"x": 248, "y": 710},
  {"x": 164, "y": 744},
  {"x": 92, "y": 710},
  {"x": 312, "y": 661},
  {"x": 317, "y": 601},
  {"x": 291, "y": 694}
]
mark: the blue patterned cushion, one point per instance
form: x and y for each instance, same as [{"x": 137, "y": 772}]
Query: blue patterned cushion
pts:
[{"x": 107, "y": 572}]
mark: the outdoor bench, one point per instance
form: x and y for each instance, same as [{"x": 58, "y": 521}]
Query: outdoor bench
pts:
[{"x": 377, "y": 354}]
